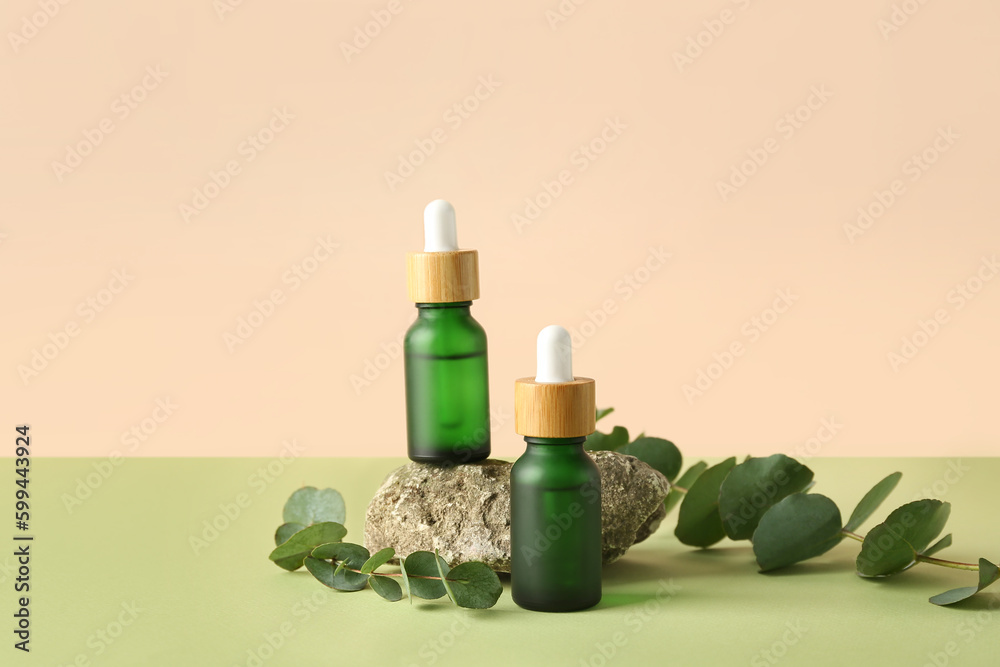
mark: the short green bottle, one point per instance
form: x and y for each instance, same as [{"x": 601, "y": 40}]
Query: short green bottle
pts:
[
  {"x": 555, "y": 487},
  {"x": 444, "y": 351}
]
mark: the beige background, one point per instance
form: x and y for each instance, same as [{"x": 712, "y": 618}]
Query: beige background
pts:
[{"x": 678, "y": 129}]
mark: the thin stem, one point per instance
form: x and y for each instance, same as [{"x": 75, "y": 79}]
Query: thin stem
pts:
[
  {"x": 395, "y": 574},
  {"x": 674, "y": 487},
  {"x": 954, "y": 564}
]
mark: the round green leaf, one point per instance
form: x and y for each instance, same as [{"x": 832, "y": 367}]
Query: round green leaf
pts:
[
  {"x": 799, "y": 527},
  {"x": 474, "y": 585},
  {"x": 310, "y": 505},
  {"x": 687, "y": 479},
  {"x": 285, "y": 531},
  {"x": 378, "y": 559},
  {"x": 658, "y": 453},
  {"x": 892, "y": 546},
  {"x": 291, "y": 553},
  {"x": 386, "y": 587},
  {"x": 335, "y": 574},
  {"x": 419, "y": 565},
  {"x": 698, "y": 522},
  {"x": 871, "y": 501},
  {"x": 988, "y": 574},
  {"x": 755, "y": 486},
  {"x": 598, "y": 441}
]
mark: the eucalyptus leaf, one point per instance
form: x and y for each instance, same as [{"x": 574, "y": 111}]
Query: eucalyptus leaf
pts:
[
  {"x": 291, "y": 553},
  {"x": 336, "y": 575},
  {"x": 659, "y": 454},
  {"x": 386, "y": 587},
  {"x": 799, "y": 527},
  {"x": 405, "y": 580},
  {"x": 698, "y": 521},
  {"x": 943, "y": 543},
  {"x": 421, "y": 564},
  {"x": 892, "y": 546},
  {"x": 989, "y": 574},
  {"x": 755, "y": 486},
  {"x": 871, "y": 501},
  {"x": 474, "y": 585},
  {"x": 442, "y": 568},
  {"x": 686, "y": 480},
  {"x": 602, "y": 413},
  {"x": 310, "y": 505},
  {"x": 285, "y": 531},
  {"x": 598, "y": 441},
  {"x": 378, "y": 559}
]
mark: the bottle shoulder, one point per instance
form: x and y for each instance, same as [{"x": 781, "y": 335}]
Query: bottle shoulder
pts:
[
  {"x": 453, "y": 334},
  {"x": 540, "y": 469}
]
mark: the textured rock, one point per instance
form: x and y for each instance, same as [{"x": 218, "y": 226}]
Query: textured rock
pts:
[{"x": 464, "y": 511}]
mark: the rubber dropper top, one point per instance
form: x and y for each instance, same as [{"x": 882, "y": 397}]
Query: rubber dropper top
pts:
[
  {"x": 440, "y": 233},
  {"x": 555, "y": 355},
  {"x": 442, "y": 273},
  {"x": 554, "y": 404}
]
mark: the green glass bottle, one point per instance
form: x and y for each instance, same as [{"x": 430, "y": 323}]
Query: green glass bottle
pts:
[
  {"x": 555, "y": 487},
  {"x": 447, "y": 379},
  {"x": 447, "y": 388}
]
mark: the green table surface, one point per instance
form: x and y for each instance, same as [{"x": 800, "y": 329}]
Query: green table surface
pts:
[{"x": 115, "y": 580}]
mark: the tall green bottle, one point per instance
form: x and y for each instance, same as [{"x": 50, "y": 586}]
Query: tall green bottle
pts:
[
  {"x": 447, "y": 380},
  {"x": 555, "y": 487}
]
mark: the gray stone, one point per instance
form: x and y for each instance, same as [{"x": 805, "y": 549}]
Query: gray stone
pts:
[{"x": 464, "y": 511}]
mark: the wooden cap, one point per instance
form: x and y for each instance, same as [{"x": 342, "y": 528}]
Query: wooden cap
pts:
[
  {"x": 554, "y": 410},
  {"x": 442, "y": 277}
]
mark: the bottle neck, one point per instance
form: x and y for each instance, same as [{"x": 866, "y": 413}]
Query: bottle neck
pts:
[
  {"x": 556, "y": 445},
  {"x": 436, "y": 311}
]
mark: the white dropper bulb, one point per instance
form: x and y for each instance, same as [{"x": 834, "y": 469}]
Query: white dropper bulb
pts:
[
  {"x": 555, "y": 355},
  {"x": 439, "y": 227}
]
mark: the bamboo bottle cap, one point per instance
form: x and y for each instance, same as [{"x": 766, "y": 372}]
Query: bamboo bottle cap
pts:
[
  {"x": 555, "y": 403},
  {"x": 442, "y": 273}
]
